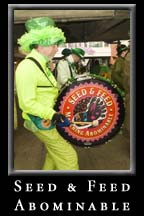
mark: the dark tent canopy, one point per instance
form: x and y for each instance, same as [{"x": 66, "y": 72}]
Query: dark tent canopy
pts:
[{"x": 81, "y": 25}]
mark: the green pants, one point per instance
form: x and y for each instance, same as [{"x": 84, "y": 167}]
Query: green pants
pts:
[{"x": 60, "y": 154}]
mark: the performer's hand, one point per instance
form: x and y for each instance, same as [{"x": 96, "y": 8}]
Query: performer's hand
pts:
[{"x": 60, "y": 120}]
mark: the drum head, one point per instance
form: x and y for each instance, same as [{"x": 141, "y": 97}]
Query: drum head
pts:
[{"x": 96, "y": 109}]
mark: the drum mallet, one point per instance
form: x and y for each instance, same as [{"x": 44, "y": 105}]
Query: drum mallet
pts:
[{"x": 93, "y": 123}]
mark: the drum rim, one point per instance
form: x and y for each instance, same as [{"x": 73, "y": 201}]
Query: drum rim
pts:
[{"x": 118, "y": 125}]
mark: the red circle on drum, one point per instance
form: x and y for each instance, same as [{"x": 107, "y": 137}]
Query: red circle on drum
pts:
[{"x": 95, "y": 110}]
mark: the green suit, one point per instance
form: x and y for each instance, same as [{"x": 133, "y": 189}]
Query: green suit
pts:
[
  {"x": 118, "y": 72},
  {"x": 37, "y": 95},
  {"x": 126, "y": 82}
]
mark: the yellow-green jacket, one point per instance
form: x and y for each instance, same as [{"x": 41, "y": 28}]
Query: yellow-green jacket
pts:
[{"x": 36, "y": 94}]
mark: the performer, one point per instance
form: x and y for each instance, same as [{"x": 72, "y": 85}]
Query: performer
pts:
[
  {"x": 118, "y": 67},
  {"x": 126, "y": 81},
  {"x": 37, "y": 92},
  {"x": 66, "y": 68}
]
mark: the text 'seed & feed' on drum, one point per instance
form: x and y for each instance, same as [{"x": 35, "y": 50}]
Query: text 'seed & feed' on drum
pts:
[{"x": 95, "y": 108}]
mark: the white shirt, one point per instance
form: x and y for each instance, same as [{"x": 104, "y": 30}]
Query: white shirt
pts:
[{"x": 63, "y": 70}]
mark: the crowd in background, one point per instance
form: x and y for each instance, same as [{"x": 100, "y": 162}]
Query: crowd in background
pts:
[
  {"x": 93, "y": 65},
  {"x": 88, "y": 66},
  {"x": 73, "y": 63}
]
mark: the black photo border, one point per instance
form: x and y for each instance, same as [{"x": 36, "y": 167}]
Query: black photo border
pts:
[{"x": 132, "y": 10}]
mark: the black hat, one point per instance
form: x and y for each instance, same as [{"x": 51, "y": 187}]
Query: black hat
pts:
[
  {"x": 121, "y": 48},
  {"x": 66, "y": 52}
]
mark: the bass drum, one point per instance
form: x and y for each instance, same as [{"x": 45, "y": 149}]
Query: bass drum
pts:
[{"x": 95, "y": 109}]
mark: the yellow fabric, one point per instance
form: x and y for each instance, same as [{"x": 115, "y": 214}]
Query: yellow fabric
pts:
[
  {"x": 60, "y": 154},
  {"x": 38, "y": 101}
]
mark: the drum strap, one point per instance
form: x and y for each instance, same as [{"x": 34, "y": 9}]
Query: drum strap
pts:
[
  {"x": 40, "y": 67},
  {"x": 70, "y": 70},
  {"x": 55, "y": 72}
]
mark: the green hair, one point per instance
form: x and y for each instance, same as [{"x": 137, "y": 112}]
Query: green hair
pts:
[{"x": 46, "y": 36}]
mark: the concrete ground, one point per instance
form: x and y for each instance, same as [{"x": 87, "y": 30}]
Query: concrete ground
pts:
[{"x": 29, "y": 152}]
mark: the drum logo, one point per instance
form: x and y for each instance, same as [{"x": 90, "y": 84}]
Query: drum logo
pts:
[{"x": 93, "y": 111}]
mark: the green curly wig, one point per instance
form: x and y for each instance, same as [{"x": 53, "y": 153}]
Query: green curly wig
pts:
[{"x": 46, "y": 36}]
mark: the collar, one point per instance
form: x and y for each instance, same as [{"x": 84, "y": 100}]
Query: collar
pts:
[{"x": 39, "y": 57}]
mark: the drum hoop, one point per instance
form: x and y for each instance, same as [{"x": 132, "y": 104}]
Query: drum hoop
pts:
[{"x": 108, "y": 85}]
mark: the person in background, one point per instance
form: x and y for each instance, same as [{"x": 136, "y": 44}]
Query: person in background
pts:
[
  {"x": 81, "y": 69},
  {"x": 65, "y": 53},
  {"x": 66, "y": 67},
  {"x": 118, "y": 67},
  {"x": 105, "y": 71},
  {"x": 95, "y": 67},
  {"x": 37, "y": 92},
  {"x": 126, "y": 81}
]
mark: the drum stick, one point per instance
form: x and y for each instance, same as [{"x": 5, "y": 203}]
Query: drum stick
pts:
[
  {"x": 93, "y": 123},
  {"x": 82, "y": 123}
]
